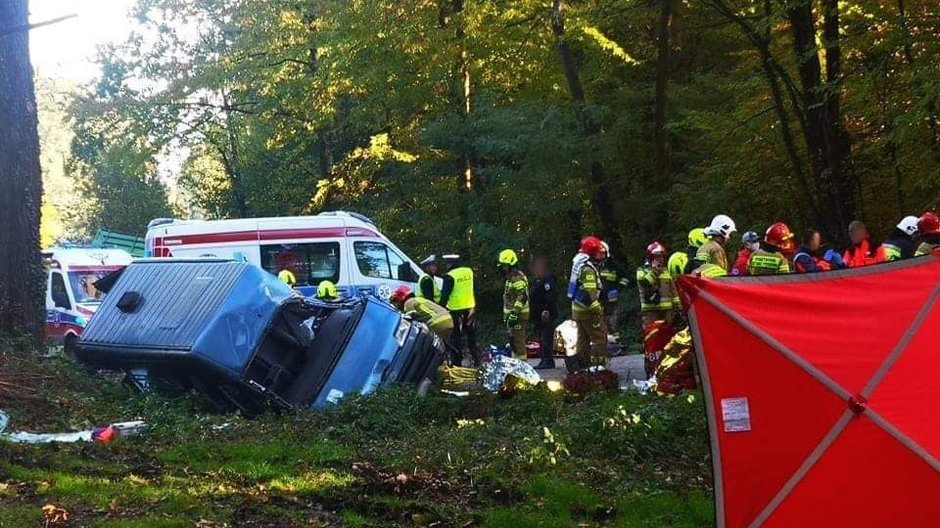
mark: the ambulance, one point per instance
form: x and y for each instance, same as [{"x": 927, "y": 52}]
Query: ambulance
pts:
[
  {"x": 71, "y": 295},
  {"x": 345, "y": 248}
]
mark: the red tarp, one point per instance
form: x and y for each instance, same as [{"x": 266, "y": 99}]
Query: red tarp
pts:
[{"x": 823, "y": 395}]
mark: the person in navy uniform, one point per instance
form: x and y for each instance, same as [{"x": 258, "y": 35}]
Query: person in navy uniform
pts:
[{"x": 543, "y": 303}]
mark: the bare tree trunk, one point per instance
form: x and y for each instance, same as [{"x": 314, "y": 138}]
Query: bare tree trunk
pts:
[
  {"x": 231, "y": 163},
  {"x": 21, "y": 270},
  {"x": 600, "y": 192}
]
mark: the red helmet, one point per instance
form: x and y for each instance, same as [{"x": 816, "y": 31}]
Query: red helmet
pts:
[
  {"x": 400, "y": 295},
  {"x": 779, "y": 236},
  {"x": 928, "y": 223},
  {"x": 592, "y": 247},
  {"x": 655, "y": 250}
]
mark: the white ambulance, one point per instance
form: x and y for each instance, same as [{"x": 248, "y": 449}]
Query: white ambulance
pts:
[
  {"x": 71, "y": 295},
  {"x": 342, "y": 247}
]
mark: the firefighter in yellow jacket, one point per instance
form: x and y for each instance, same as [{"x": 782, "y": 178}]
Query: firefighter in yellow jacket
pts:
[
  {"x": 713, "y": 251},
  {"x": 658, "y": 298},
  {"x": 424, "y": 310},
  {"x": 515, "y": 301},
  {"x": 584, "y": 290}
]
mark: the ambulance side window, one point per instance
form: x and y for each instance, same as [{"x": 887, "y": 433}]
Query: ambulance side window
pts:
[
  {"x": 311, "y": 262},
  {"x": 60, "y": 296},
  {"x": 377, "y": 260}
]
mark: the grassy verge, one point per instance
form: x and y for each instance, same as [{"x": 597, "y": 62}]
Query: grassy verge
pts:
[{"x": 535, "y": 459}]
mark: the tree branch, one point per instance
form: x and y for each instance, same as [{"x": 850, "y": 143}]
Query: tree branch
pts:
[{"x": 27, "y": 27}]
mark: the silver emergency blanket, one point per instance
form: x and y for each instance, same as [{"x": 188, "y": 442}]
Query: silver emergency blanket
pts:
[{"x": 495, "y": 372}]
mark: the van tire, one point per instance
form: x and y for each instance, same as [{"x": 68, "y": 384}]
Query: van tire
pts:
[{"x": 69, "y": 346}]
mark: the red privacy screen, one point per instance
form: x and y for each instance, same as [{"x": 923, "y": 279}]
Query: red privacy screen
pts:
[{"x": 823, "y": 395}]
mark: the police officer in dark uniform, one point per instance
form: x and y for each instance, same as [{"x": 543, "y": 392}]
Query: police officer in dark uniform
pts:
[{"x": 543, "y": 305}]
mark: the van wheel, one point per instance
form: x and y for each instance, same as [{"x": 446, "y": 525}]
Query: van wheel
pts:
[{"x": 71, "y": 342}]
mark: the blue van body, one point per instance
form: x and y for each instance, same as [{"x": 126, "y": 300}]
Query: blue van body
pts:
[{"x": 245, "y": 339}]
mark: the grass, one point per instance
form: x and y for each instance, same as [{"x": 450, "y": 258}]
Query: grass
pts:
[{"x": 535, "y": 459}]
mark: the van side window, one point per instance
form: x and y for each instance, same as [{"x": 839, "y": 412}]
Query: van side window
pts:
[
  {"x": 60, "y": 297},
  {"x": 377, "y": 260},
  {"x": 311, "y": 262}
]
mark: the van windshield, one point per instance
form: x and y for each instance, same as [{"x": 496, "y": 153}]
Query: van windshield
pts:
[{"x": 83, "y": 285}]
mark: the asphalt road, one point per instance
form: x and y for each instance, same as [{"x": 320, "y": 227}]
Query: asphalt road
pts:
[{"x": 627, "y": 367}]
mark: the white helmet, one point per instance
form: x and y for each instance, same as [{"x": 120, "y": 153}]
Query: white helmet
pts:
[
  {"x": 722, "y": 225},
  {"x": 606, "y": 247},
  {"x": 909, "y": 225}
]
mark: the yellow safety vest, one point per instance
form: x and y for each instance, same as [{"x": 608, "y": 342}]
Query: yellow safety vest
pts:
[
  {"x": 419, "y": 291},
  {"x": 462, "y": 297}
]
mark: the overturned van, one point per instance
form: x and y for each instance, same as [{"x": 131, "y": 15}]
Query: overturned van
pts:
[{"x": 238, "y": 335}]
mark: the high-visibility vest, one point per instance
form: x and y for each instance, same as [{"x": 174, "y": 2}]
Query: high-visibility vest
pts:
[
  {"x": 764, "y": 262},
  {"x": 710, "y": 271},
  {"x": 585, "y": 290},
  {"x": 419, "y": 291},
  {"x": 430, "y": 313},
  {"x": 462, "y": 297}
]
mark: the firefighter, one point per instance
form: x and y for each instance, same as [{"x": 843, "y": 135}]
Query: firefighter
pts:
[
  {"x": 427, "y": 285},
  {"x": 863, "y": 251},
  {"x": 683, "y": 262},
  {"x": 543, "y": 304},
  {"x": 658, "y": 298},
  {"x": 584, "y": 290},
  {"x": 751, "y": 242},
  {"x": 287, "y": 277},
  {"x": 458, "y": 295},
  {"x": 772, "y": 257},
  {"x": 424, "y": 310},
  {"x": 713, "y": 251},
  {"x": 515, "y": 301},
  {"x": 326, "y": 291},
  {"x": 929, "y": 227},
  {"x": 903, "y": 241},
  {"x": 613, "y": 280}
]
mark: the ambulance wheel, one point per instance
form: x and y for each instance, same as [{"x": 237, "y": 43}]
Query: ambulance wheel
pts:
[{"x": 71, "y": 342}]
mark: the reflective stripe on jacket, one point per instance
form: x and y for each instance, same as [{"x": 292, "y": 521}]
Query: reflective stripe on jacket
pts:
[
  {"x": 516, "y": 294},
  {"x": 713, "y": 253},
  {"x": 587, "y": 290},
  {"x": 657, "y": 291},
  {"x": 430, "y": 313},
  {"x": 765, "y": 262}
]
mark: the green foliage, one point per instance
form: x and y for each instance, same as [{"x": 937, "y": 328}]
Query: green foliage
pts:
[{"x": 392, "y": 459}]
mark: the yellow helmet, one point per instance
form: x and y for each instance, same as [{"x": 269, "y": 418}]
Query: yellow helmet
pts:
[
  {"x": 677, "y": 263},
  {"x": 326, "y": 290},
  {"x": 287, "y": 277},
  {"x": 508, "y": 257},
  {"x": 697, "y": 237}
]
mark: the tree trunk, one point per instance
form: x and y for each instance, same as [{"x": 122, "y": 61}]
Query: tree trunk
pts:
[
  {"x": 660, "y": 99},
  {"x": 826, "y": 139},
  {"x": 600, "y": 192},
  {"x": 21, "y": 271}
]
